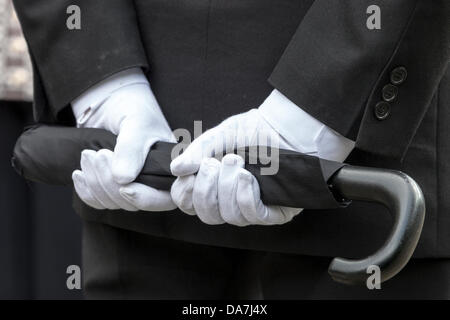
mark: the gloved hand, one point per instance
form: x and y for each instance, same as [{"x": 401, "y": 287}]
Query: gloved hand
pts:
[
  {"x": 224, "y": 191},
  {"x": 125, "y": 106},
  {"x": 96, "y": 186}
]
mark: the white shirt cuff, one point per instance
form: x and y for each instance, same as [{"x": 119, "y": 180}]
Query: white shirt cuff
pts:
[
  {"x": 303, "y": 131},
  {"x": 97, "y": 94}
]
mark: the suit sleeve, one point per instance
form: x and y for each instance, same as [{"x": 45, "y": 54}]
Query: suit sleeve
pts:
[
  {"x": 68, "y": 62},
  {"x": 337, "y": 70}
]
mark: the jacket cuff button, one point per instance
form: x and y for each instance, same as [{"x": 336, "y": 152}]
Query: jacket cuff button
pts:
[
  {"x": 382, "y": 110},
  {"x": 389, "y": 93},
  {"x": 399, "y": 75}
]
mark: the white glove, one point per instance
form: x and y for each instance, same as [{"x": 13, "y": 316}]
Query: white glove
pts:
[
  {"x": 129, "y": 110},
  {"x": 225, "y": 192},
  {"x": 95, "y": 185}
]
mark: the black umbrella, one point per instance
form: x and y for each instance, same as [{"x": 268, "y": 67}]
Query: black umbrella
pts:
[{"x": 50, "y": 154}]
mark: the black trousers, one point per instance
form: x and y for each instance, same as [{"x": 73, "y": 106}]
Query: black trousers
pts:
[
  {"x": 121, "y": 264},
  {"x": 15, "y": 228},
  {"x": 39, "y": 232}
]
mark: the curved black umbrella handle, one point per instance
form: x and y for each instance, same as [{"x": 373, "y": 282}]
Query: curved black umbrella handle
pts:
[{"x": 404, "y": 198}]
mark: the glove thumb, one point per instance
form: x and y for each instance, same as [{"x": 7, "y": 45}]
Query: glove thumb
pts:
[
  {"x": 131, "y": 150},
  {"x": 189, "y": 161}
]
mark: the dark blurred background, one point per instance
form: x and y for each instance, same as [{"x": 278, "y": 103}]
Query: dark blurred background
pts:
[{"x": 39, "y": 231}]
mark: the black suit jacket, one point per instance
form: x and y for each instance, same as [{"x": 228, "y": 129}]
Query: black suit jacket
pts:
[{"x": 209, "y": 59}]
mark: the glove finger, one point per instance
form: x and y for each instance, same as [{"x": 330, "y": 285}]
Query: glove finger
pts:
[
  {"x": 146, "y": 198},
  {"x": 181, "y": 193},
  {"x": 189, "y": 161},
  {"x": 267, "y": 215},
  {"x": 83, "y": 191},
  {"x": 248, "y": 197},
  {"x": 290, "y": 213},
  {"x": 103, "y": 163},
  {"x": 130, "y": 152},
  {"x": 204, "y": 199},
  {"x": 254, "y": 210},
  {"x": 227, "y": 187},
  {"x": 88, "y": 167},
  {"x": 277, "y": 214}
]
